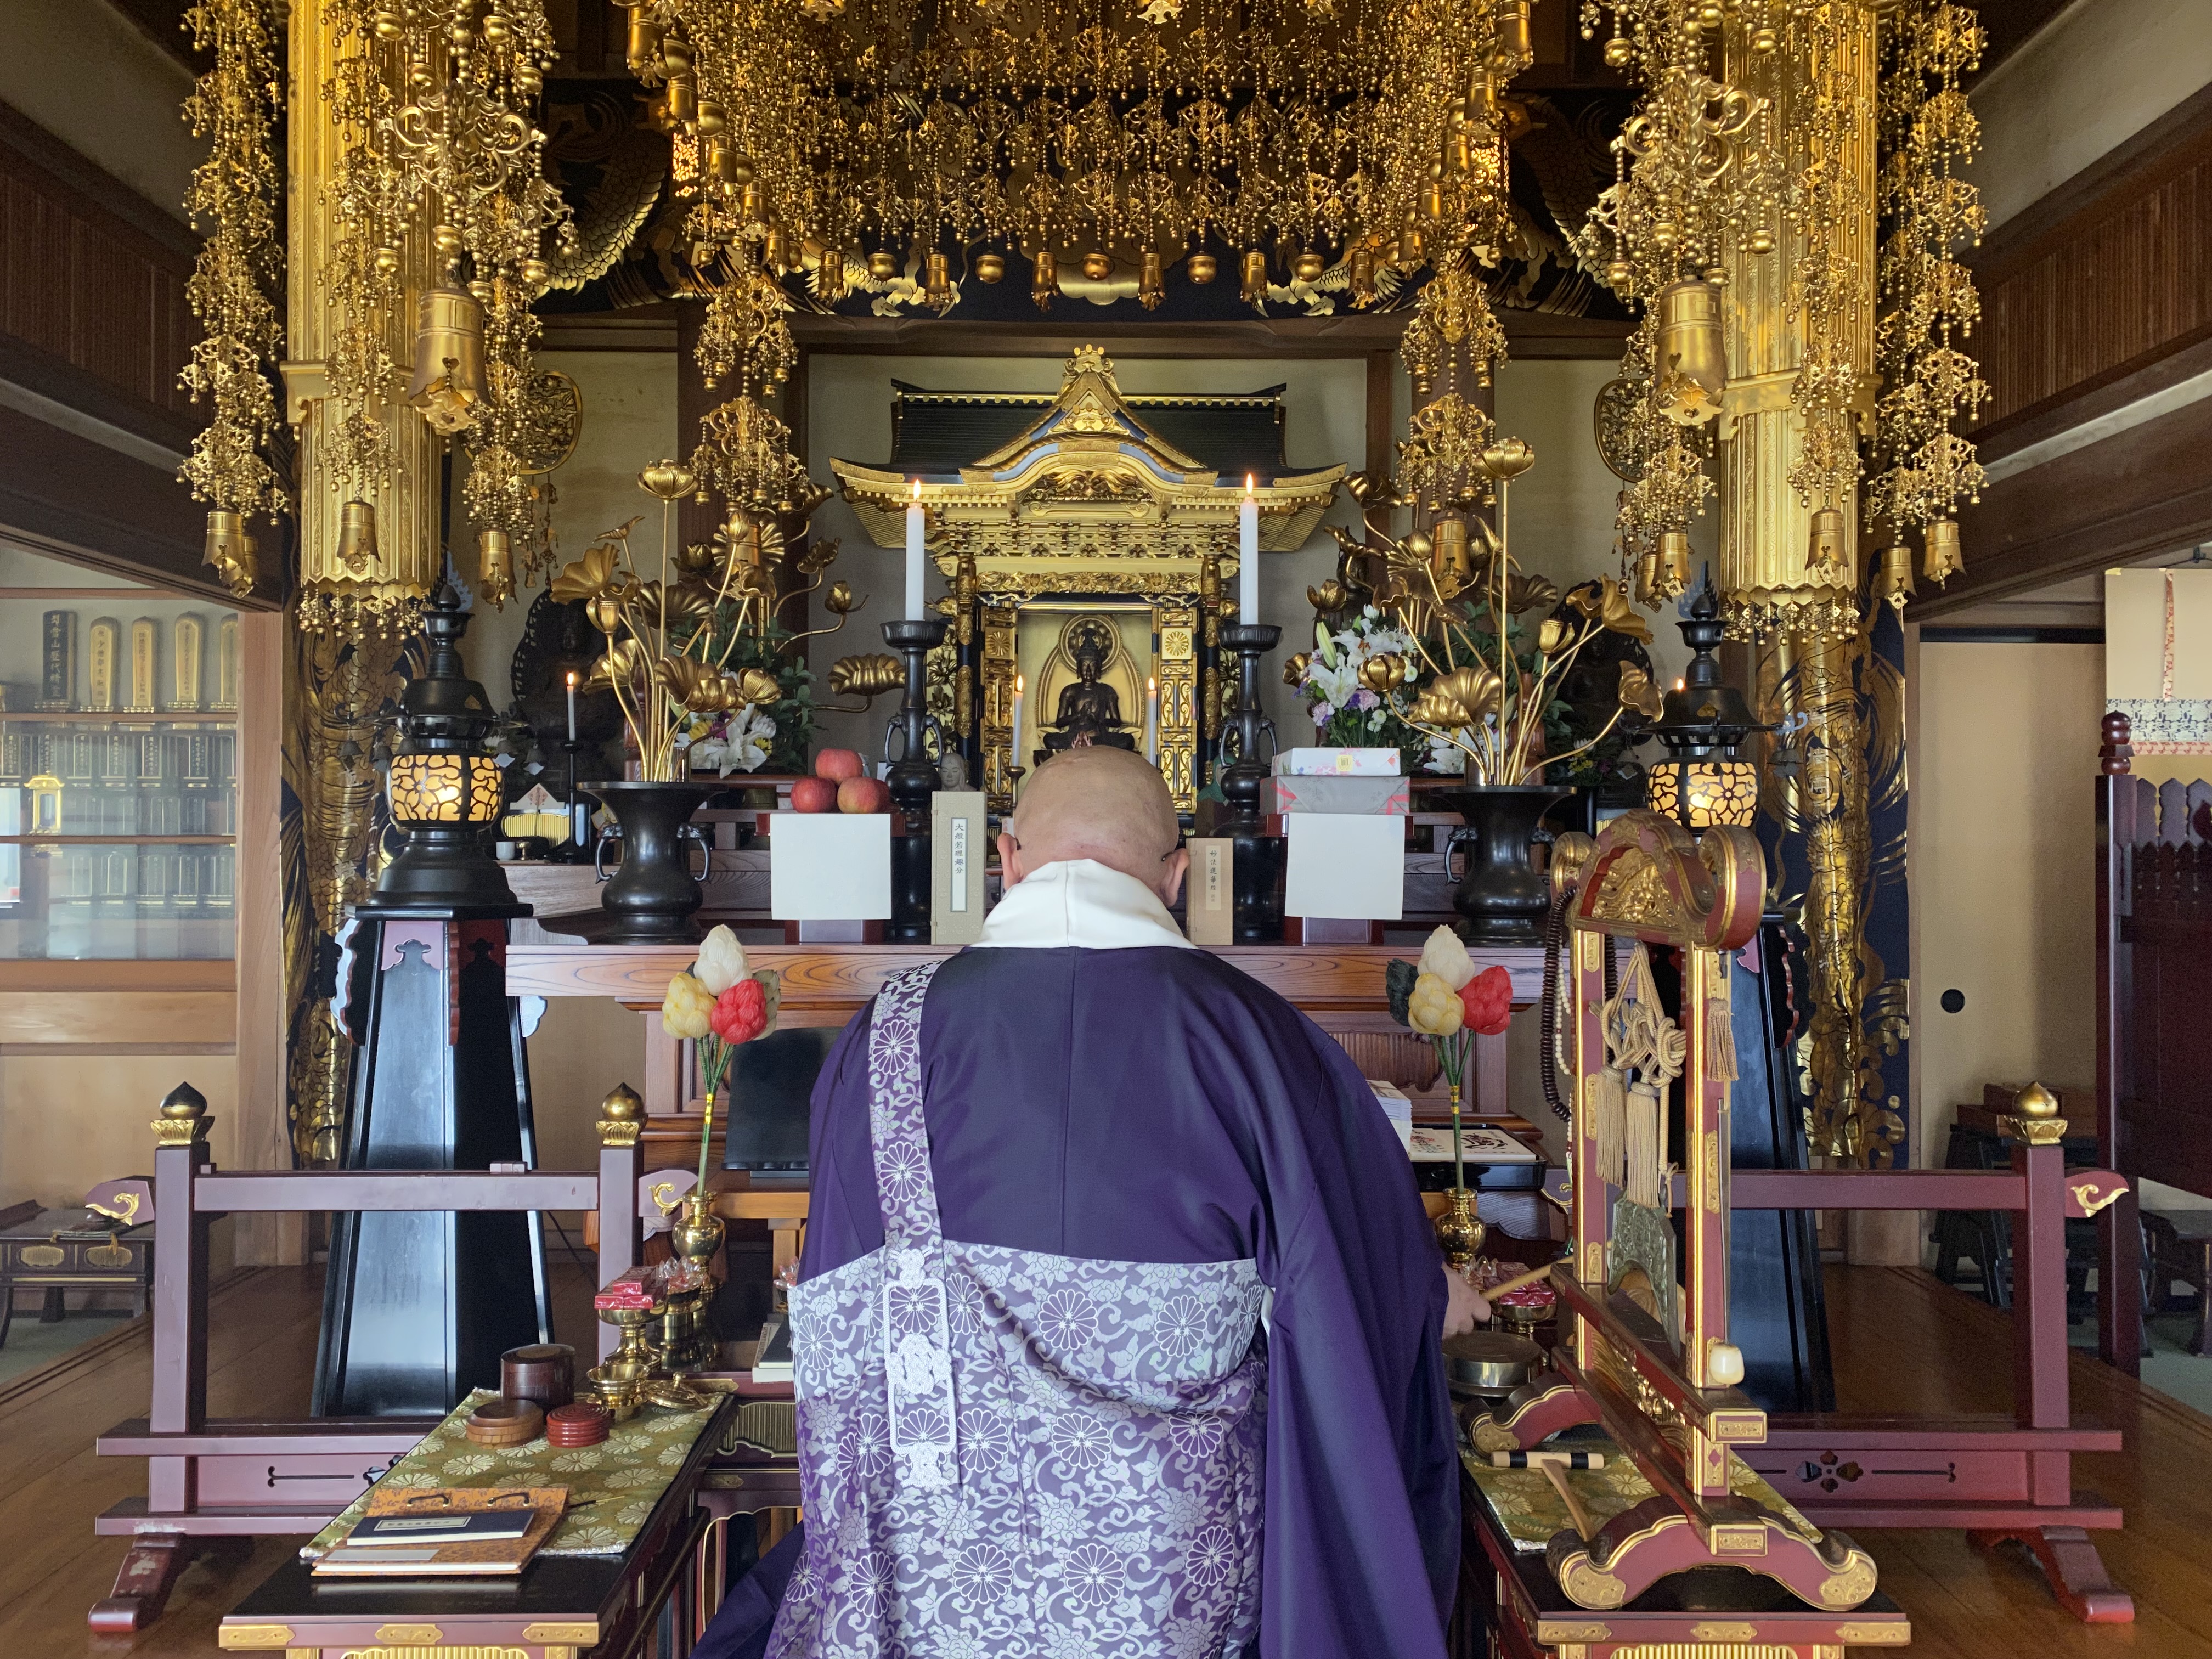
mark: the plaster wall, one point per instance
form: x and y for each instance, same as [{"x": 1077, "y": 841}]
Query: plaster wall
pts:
[
  {"x": 2004, "y": 757},
  {"x": 88, "y": 76},
  {"x": 2097, "y": 74}
]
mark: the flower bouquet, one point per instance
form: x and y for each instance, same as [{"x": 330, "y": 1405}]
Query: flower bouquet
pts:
[
  {"x": 720, "y": 1003},
  {"x": 1443, "y": 998}
]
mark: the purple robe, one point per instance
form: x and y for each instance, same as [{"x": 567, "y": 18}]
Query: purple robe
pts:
[{"x": 1143, "y": 1101}]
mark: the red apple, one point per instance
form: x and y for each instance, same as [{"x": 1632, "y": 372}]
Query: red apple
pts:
[
  {"x": 864, "y": 795},
  {"x": 837, "y": 765},
  {"x": 814, "y": 795}
]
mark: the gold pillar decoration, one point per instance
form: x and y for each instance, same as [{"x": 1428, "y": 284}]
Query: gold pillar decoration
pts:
[
  {"x": 1800, "y": 388},
  {"x": 235, "y": 106},
  {"x": 349, "y": 322}
]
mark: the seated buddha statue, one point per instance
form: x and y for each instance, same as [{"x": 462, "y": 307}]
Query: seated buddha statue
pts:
[{"x": 1089, "y": 710}]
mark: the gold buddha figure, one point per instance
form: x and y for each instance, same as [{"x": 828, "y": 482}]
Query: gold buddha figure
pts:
[{"x": 1089, "y": 710}]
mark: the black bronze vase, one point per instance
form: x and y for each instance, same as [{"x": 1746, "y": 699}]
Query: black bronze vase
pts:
[
  {"x": 652, "y": 897},
  {"x": 1500, "y": 897}
]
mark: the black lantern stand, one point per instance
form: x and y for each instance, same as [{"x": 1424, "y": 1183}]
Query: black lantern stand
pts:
[
  {"x": 912, "y": 780},
  {"x": 1259, "y": 856},
  {"x": 418, "y": 1305}
]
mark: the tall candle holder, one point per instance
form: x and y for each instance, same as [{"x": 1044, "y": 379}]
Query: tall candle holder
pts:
[
  {"x": 1259, "y": 856},
  {"x": 912, "y": 780},
  {"x": 578, "y": 848}
]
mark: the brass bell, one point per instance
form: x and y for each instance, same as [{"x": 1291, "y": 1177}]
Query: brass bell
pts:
[
  {"x": 713, "y": 118},
  {"x": 1152, "y": 284},
  {"x": 1097, "y": 266},
  {"x": 1823, "y": 547},
  {"x": 1201, "y": 268},
  {"x": 829, "y": 274},
  {"x": 1412, "y": 248},
  {"x": 230, "y": 550},
  {"x": 1362, "y": 277},
  {"x": 938, "y": 290},
  {"x": 1044, "y": 280},
  {"x": 1255, "y": 275},
  {"x": 1690, "y": 357},
  {"x": 644, "y": 45},
  {"x": 752, "y": 206},
  {"x": 883, "y": 266},
  {"x": 495, "y": 566},
  {"x": 1450, "y": 551},
  {"x": 448, "y": 381},
  {"x": 1674, "y": 563},
  {"x": 1512, "y": 34},
  {"x": 990, "y": 267},
  {"x": 1309, "y": 266},
  {"x": 1647, "y": 578},
  {"x": 721, "y": 160},
  {"x": 357, "y": 535},
  {"x": 1941, "y": 559},
  {"x": 683, "y": 100},
  {"x": 1893, "y": 579}
]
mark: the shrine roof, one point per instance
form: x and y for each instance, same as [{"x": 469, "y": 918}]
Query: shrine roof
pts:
[{"x": 936, "y": 434}]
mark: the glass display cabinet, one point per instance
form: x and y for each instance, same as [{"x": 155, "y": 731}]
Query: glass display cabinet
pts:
[{"x": 119, "y": 767}]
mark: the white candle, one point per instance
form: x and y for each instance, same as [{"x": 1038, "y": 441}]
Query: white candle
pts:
[
  {"x": 572, "y": 705},
  {"x": 1248, "y": 556},
  {"x": 913, "y": 554},
  {"x": 1016, "y": 759},
  {"x": 1153, "y": 721}
]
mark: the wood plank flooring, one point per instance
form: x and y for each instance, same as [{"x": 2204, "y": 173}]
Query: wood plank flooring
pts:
[{"x": 1904, "y": 1343}]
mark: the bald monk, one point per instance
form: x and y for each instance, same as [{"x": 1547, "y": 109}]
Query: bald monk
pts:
[{"x": 1117, "y": 1327}]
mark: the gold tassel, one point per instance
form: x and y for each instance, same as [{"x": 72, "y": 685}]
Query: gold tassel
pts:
[
  {"x": 1720, "y": 1043},
  {"x": 1609, "y": 1097},
  {"x": 1646, "y": 1147}
]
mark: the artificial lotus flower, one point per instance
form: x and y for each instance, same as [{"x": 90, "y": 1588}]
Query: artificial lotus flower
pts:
[
  {"x": 1487, "y": 1001},
  {"x": 685, "y": 1011},
  {"x": 721, "y": 960},
  {"x": 1434, "y": 1008},
  {"x": 1445, "y": 955},
  {"x": 741, "y": 1012}
]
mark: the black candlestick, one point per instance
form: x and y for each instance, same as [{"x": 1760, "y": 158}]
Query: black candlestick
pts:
[
  {"x": 912, "y": 780},
  {"x": 1259, "y": 856},
  {"x": 579, "y": 849}
]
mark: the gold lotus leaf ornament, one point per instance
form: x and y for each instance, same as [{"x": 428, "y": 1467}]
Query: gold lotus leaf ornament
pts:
[
  {"x": 758, "y": 686},
  {"x": 1637, "y": 693},
  {"x": 592, "y": 575},
  {"x": 1607, "y": 604},
  {"x": 1329, "y": 596},
  {"x": 1294, "y": 668},
  {"x": 867, "y": 676}
]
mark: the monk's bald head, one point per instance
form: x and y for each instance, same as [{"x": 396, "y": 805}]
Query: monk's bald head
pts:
[{"x": 1109, "y": 804}]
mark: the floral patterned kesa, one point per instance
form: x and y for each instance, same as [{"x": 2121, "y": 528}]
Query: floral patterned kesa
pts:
[{"x": 1008, "y": 1455}]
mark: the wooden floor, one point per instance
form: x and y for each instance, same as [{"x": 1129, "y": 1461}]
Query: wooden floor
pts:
[{"x": 1904, "y": 1343}]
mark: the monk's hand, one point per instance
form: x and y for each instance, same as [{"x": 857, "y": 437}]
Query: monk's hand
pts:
[{"x": 1465, "y": 1307}]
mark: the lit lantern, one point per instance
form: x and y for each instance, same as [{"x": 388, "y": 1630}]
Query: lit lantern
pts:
[
  {"x": 445, "y": 790},
  {"x": 1703, "y": 782}
]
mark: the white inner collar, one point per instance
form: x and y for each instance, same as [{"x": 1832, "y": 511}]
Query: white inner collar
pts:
[{"x": 1080, "y": 902}]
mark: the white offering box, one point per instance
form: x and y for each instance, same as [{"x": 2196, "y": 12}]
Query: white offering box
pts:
[
  {"x": 829, "y": 866},
  {"x": 1346, "y": 865}
]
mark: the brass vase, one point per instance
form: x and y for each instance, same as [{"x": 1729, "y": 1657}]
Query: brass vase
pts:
[
  {"x": 696, "y": 1232},
  {"x": 1459, "y": 1231}
]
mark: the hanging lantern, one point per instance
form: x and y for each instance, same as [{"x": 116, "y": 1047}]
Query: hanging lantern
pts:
[
  {"x": 1450, "y": 555},
  {"x": 445, "y": 791},
  {"x": 938, "y": 290},
  {"x": 1153, "y": 283},
  {"x": 448, "y": 384},
  {"x": 1674, "y": 563},
  {"x": 1044, "y": 280},
  {"x": 1691, "y": 363},
  {"x": 1942, "y": 559},
  {"x": 1703, "y": 781}
]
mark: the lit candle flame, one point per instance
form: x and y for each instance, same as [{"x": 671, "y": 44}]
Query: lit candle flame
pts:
[
  {"x": 917, "y": 490},
  {"x": 572, "y": 676},
  {"x": 1247, "y": 486},
  {"x": 1017, "y": 685}
]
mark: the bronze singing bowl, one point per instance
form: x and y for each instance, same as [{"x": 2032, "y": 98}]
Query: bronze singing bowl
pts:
[{"x": 1489, "y": 1362}]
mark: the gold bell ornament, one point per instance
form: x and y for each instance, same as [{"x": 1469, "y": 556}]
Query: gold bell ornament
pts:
[
  {"x": 1201, "y": 268},
  {"x": 357, "y": 535},
  {"x": 1941, "y": 559},
  {"x": 230, "y": 552},
  {"x": 1152, "y": 282},
  {"x": 1825, "y": 553},
  {"x": 1674, "y": 563},
  {"x": 495, "y": 566},
  {"x": 1692, "y": 359},
  {"x": 1893, "y": 576},
  {"x": 1044, "y": 280},
  {"x": 448, "y": 382},
  {"x": 1255, "y": 275}
]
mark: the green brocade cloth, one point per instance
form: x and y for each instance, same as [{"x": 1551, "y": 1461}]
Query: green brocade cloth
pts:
[
  {"x": 1529, "y": 1509},
  {"x": 612, "y": 1486}
]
